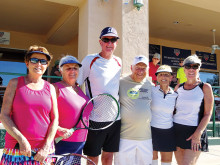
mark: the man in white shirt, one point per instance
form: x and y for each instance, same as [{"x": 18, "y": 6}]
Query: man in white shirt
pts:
[{"x": 101, "y": 73}]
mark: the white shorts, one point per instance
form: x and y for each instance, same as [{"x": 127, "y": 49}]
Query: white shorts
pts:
[{"x": 134, "y": 152}]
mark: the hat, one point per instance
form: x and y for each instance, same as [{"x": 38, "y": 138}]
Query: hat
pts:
[
  {"x": 109, "y": 31},
  {"x": 140, "y": 58},
  {"x": 40, "y": 52},
  {"x": 69, "y": 60},
  {"x": 193, "y": 59},
  {"x": 164, "y": 68},
  {"x": 156, "y": 55}
]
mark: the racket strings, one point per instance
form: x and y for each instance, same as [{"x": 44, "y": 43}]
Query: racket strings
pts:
[
  {"x": 105, "y": 107},
  {"x": 74, "y": 159},
  {"x": 69, "y": 160}
]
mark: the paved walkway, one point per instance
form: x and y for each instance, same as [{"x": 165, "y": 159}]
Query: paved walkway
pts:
[{"x": 208, "y": 158}]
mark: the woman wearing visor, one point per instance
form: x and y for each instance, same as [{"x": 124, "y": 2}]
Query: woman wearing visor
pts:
[
  {"x": 71, "y": 100},
  {"x": 29, "y": 113},
  {"x": 193, "y": 112},
  {"x": 162, "y": 107}
]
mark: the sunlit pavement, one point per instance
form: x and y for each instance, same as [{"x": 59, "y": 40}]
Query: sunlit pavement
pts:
[{"x": 208, "y": 158}]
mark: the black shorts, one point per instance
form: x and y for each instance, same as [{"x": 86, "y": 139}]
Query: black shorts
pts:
[
  {"x": 163, "y": 139},
  {"x": 183, "y": 132},
  {"x": 106, "y": 140}
]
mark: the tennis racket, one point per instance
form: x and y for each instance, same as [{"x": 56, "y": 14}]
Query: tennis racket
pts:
[
  {"x": 105, "y": 109},
  {"x": 66, "y": 159},
  {"x": 70, "y": 159}
]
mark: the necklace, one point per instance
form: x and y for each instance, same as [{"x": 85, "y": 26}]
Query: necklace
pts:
[
  {"x": 34, "y": 84},
  {"x": 32, "y": 81},
  {"x": 191, "y": 86},
  {"x": 195, "y": 83},
  {"x": 72, "y": 87}
]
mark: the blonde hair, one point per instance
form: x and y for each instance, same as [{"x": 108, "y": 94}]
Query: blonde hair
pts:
[{"x": 39, "y": 49}]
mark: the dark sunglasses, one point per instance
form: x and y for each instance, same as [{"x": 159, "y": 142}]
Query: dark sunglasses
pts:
[
  {"x": 106, "y": 40},
  {"x": 191, "y": 66},
  {"x": 36, "y": 60}
]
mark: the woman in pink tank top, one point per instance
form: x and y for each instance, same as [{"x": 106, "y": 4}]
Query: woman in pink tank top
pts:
[
  {"x": 29, "y": 113},
  {"x": 70, "y": 99}
]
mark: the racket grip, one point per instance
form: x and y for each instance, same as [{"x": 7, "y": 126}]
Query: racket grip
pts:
[{"x": 60, "y": 138}]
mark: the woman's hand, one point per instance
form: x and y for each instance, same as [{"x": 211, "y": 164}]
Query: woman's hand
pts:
[
  {"x": 64, "y": 132},
  {"x": 25, "y": 148},
  {"x": 195, "y": 141},
  {"x": 42, "y": 154}
]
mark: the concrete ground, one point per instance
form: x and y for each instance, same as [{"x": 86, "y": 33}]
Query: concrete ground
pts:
[{"x": 208, "y": 158}]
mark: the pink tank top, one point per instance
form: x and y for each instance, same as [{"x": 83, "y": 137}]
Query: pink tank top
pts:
[
  {"x": 31, "y": 114},
  {"x": 70, "y": 106}
]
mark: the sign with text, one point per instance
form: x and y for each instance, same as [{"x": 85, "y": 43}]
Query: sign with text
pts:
[
  {"x": 152, "y": 50},
  {"x": 171, "y": 56},
  {"x": 4, "y": 38},
  {"x": 208, "y": 60}
]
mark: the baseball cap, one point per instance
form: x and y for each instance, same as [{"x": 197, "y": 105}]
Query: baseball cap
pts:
[
  {"x": 69, "y": 60},
  {"x": 109, "y": 31},
  {"x": 164, "y": 68},
  {"x": 156, "y": 55},
  {"x": 193, "y": 59},
  {"x": 140, "y": 58}
]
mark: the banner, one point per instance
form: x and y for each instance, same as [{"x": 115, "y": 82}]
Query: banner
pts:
[
  {"x": 5, "y": 38},
  {"x": 171, "y": 56},
  {"x": 208, "y": 60},
  {"x": 152, "y": 50}
]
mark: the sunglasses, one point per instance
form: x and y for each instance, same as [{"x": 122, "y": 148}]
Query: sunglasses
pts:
[
  {"x": 106, "y": 40},
  {"x": 191, "y": 67},
  {"x": 36, "y": 60}
]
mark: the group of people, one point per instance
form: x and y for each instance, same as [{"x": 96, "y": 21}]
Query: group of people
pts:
[{"x": 153, "y": 118}]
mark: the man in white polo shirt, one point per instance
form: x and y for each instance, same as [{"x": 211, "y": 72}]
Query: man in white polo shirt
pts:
[{"x": 135, "y": 97}]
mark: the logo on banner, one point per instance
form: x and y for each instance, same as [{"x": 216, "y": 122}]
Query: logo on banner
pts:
[
  {"x": 177, "y": 52},
  {"x": 206, "y": 57}
]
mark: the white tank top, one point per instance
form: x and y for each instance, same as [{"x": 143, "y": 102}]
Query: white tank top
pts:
[{"x": 188, "y": 106}]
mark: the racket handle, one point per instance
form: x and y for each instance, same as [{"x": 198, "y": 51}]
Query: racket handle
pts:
[{"x": 60, "y": 138}]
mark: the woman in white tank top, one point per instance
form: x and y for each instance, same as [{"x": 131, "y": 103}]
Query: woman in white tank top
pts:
[{"x": 193, "y": 112}]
